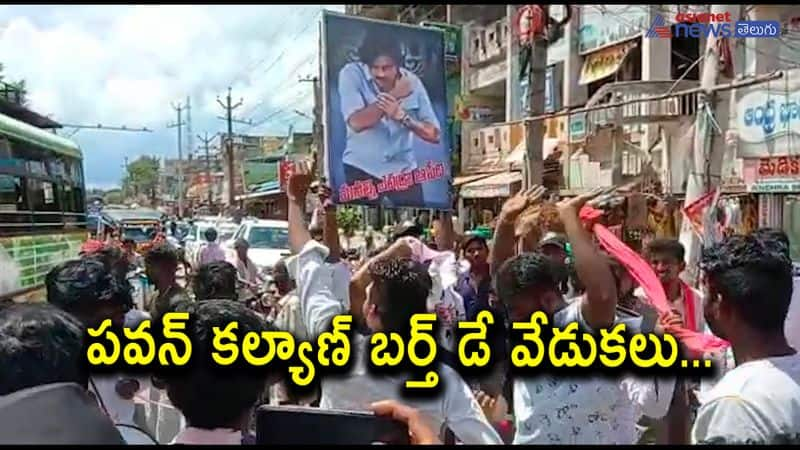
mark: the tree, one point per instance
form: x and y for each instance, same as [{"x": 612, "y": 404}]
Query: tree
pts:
[
  {"x": 113, "y": 197},
  {"x": 349, "y": 219},
  {"x": 14, "y": 91},
  {"x": 142, "y": 178}
]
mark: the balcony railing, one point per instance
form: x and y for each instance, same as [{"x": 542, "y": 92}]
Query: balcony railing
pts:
[{"x": 640, "y": 112}]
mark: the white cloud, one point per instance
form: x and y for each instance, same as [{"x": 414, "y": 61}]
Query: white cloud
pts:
[{"x": 123, "y": 65}]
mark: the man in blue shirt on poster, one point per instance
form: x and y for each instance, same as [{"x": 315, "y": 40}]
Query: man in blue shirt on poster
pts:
[{"x": 385, "y": 108}]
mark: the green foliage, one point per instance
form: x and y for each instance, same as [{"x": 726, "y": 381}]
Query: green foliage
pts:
[
  {"x": 113, "y": 197},
  {"x": 349, "y": 219},
  {"x": 142, "y": 177},
  {"x": 18, "y": 86}
]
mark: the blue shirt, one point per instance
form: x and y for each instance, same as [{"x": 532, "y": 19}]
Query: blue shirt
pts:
[
  {"x": 474, "y": 301},
  {"x": 387, "y": 146}
]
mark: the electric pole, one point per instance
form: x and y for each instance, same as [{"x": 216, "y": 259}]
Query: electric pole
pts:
[
  {"x": 179, "y": 125},
  {"x": 537, "y": 69},
  {"x": 189, "y": 134},
  {"x": 705, "y": 164},
  {"x": 207, "y": 140},
  {"x": 229, "y": 147},
  {"x": 317, "y": 126},
  {"x": 539, "y": 36}
]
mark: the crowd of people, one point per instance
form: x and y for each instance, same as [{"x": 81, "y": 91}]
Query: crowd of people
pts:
[{"x": 48, "y": 394}]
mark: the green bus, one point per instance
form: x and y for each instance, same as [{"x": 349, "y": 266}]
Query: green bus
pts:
[{"x": 42, "y": 210}]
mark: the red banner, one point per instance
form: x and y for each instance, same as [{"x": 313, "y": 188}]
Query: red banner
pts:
[{"x": 696, "y": 211}]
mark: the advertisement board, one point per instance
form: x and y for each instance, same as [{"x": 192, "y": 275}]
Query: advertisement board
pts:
[
  {"x": 768, "y": 118},
  {"x": 385, "y": 113}
]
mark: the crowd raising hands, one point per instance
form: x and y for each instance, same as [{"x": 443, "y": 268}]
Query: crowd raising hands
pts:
[{"x": 552, "y": 266}]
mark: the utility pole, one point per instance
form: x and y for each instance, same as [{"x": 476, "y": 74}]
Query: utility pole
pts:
[
  {"x": 537, "y": 69},
  {"x": 705, "y": 164},
  {"x": 189, "y": 134},
  {"x": 317, "y": 127},
  {"x": 229, "y": 147},
  {"x": 179, "y": 125},
  {"x": 207, "y": 140}
]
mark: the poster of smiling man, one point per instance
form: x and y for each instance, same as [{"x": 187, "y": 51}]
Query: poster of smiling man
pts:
[{"x": 385, "y": 113}]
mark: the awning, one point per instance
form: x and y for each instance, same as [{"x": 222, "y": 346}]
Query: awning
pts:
[
  {"x": 499, "y": 185},
  {"x": 458, "y": 181},
  {"x": 605, "y": 62}
]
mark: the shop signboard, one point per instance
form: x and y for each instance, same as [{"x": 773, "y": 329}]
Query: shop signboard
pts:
[
  {"x": 773, "y": 174},
  {"x": 577, "y": 127},
  {"x": 604, "y": 63},
  {"x": 604, "y": 25},
  {"x": 768, "y": 118}
]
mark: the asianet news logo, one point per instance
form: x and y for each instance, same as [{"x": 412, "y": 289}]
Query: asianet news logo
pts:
[{"x": 718, "y": 25}]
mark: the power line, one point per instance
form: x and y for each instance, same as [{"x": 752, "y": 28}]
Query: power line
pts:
[
  {"x": 311, "y": 20},
  {"x": 252, "y": 67}
]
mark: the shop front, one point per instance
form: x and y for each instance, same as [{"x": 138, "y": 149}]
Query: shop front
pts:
[
  {"x": 775, "y": 181},
  {"x": 768, "y": 124},
  {"x": 481, "y": 200}
]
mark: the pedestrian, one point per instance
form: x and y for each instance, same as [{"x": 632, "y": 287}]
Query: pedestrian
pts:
[
  {"x": 211, "y": 251},
  {"x": 562, "y": 410},
  {"x": 43, "y": 383},
  {"x": 748, "y": 284},
  {"x": 161, "y": 264},
  {"x": 666, "y": 256},
  {"x": 92, "y": 291},
  {"x": 246, "y": 270},
  {"x": 397, "y": 289},
  {"x": 215, "y": 281},
  {"x": 792, "y": 325},
  {"x": 217, "y": 402}
]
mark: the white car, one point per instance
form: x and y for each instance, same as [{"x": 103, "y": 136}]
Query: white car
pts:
[
  {"x": 195, "y": 240},
  {"x": 268, "y": 239}
]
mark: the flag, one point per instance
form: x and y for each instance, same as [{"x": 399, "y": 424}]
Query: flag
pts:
[{"x": 697, "y": 212}]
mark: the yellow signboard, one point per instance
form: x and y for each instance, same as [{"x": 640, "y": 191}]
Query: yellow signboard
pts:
[{"x": 605, "y": 62}]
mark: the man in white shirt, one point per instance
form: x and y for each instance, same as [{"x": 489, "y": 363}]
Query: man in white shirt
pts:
[
  {"x": 247, "y": 272},
  {"x": 552, "y": 409},
  {"x": 748, "y": 290},
  {"x": 398, "y": 288}
]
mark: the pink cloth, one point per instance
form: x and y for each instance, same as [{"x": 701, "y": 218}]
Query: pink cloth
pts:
[
  {"x": 421, "y": 252},
  {"x": 641, "y": 271}
]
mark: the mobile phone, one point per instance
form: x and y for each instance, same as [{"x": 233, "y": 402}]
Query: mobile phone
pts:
[{"x": 297, "y": 425}]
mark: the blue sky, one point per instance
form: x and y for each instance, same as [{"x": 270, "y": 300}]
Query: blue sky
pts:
[{"x": 124, "y": 65}]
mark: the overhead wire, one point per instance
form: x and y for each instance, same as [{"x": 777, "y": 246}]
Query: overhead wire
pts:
[{"x": 311, "y": 20}]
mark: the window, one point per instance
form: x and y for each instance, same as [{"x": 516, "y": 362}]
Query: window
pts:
[
  {"x": 11, "y": 195},
  {"x": 268, "y": 237},
  {"x": 685, "y": 51},
  {"x": 42, "y": 195}
]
